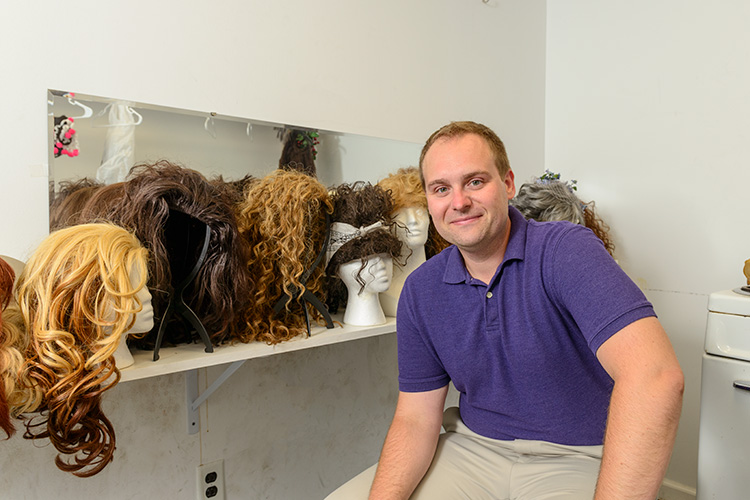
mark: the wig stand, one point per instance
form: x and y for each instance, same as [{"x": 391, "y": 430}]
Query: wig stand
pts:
[
  {"x": 307, "y": 296},
  {"x": 187, "y": 241}
]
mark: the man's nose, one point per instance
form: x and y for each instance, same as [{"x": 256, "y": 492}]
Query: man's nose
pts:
[{"x": 460, "y": 201}]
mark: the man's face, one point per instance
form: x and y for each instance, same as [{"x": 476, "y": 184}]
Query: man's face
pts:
[{"x": 466, "y": 196}]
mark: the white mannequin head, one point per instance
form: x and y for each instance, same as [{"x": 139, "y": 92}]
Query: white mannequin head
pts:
[
  {"x": 144, "y": 320},
  {"x": 412, "y": 227},
  {"x": 363, "y": 285}
]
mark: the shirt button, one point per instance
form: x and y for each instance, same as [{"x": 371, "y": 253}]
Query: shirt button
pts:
[{"x": 489, "y": 295}]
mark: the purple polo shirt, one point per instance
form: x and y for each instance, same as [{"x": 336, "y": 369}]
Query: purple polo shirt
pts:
[{"x": 522, "y": 350}]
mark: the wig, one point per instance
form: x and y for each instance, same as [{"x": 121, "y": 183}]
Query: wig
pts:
[
  {"x": 553, "y": 200},
  {"x": 283, "y": 218},
  {"x": 360, "y": 205},
  {"x": 7, "y": 276},
  {"x": 232, "y": 191},
  {"x": 219, "y": 295},
  {"x": 66, "y": 206},
  {"x": 298, "y": 153},
  {"x": 77, "y": 301},
  {"x": 406, "y": 190}
]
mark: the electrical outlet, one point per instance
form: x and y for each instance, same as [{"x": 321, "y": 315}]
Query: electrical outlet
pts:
[{"x": 211, "y": 481}]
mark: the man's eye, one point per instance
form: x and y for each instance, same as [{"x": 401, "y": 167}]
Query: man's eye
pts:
[
  {"x": 441, "y": 190},
  {"x": 475, "y": 182}
]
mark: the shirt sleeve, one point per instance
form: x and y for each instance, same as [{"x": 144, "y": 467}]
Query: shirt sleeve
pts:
[
  {"x": 419, "y": 366},
  {"x": 589, "y": 286}
]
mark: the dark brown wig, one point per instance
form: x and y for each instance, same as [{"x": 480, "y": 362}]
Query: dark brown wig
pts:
[
  {"x": 298, "y": 152},
  {"x": 66, "y": 206},
  {"x": 360, "y": 204},
  {"x": 283, "y": 219},
  {"x": 233, "y": 191},
  {"x": 7, "y": 277},
  {"x": 219, "y": 295}
]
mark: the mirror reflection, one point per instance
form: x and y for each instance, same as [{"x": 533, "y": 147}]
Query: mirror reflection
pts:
[{"x": 107, "y": 136}]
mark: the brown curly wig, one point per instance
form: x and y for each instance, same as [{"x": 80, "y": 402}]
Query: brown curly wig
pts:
[
  {"x": 283, "y": 220},
  {"x": 220, "y": 293},
  {"x": 360, "y": 204}
]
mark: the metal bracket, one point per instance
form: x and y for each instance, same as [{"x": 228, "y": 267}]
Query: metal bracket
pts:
[{"x": 193, "y": 400}]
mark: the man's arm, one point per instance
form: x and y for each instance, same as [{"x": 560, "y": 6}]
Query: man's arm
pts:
[
  {"x": 643, "y": 413},
  {"x": 410, "y": 444}
]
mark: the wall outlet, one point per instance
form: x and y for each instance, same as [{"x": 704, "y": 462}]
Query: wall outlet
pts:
[{"x": 211, "y": 481}]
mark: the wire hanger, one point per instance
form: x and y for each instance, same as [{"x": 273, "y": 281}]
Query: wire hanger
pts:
[
  {"x": 87, "y": 111},
  {"x": 100, "y": 114}
]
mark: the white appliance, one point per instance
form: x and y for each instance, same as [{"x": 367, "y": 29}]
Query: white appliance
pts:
[{"x": 724, "y": 439}]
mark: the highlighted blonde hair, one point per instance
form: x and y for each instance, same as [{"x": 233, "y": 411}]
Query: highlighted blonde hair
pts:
[
  {"x": 7, "y": 276},
  {"x": 283, "y": 220},
  {"x": 77, "y": 301}
]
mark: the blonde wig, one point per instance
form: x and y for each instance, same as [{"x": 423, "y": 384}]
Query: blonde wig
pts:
[
  {"x": 406, "y": 189},
  {"x": 7, "y": 276},
  {"x": 219, "y": 294},
  {"x": 360, "y": 205},
  {"x": 77, "y": 300},
  {"x": 283, "y": 218}
]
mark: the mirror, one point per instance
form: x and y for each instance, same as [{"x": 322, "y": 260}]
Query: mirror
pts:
[{"x": 232, "y": 147}]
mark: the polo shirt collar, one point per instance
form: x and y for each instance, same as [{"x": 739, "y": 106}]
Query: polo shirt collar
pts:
[{"x": 455, "y": 270}]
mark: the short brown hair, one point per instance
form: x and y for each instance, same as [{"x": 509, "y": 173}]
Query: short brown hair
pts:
[{"x": 458, "y": 129}]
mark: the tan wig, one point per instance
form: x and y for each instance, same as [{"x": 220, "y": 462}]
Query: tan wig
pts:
[
  {"x": 219, "y": 295},
  {"x": 283, "y": 219},
  {"x": 7, "y": 276},
  {"x": 77, "y": 301},
  {"x": 65, "y": 209},
  {"x": 360, "y": 205},
  {"x": 406, "y": 189}
]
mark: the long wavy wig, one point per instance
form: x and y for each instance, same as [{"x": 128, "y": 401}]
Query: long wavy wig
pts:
[
  {"x": 77, "y": 301},
  {"x": 283, "y": 220},
  {"x": 7, "y": 276},
  {"x": 219, "y": 295},
  {"x": 360, "y": 205}
]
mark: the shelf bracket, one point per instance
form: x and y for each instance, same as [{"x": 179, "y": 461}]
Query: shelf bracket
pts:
[{"x": 193, "y": 400}]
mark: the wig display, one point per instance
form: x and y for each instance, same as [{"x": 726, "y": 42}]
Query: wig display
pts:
[
  {"x": 219, "y": 295},
  {"x": 7, "y": 276},
  {"x": 68, "y": 202},
  {"x": 77, "y": 301},
  {"x": 362, "y": 206},
  {"x": 554, "y": 200},
  {"x": 405, "y": 188},
  {"x": 298, "y": 153},
  {"x": 283, "y": 219}
]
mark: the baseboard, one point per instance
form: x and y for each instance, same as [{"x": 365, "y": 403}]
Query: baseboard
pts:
[{"x": 672, "y": 490}]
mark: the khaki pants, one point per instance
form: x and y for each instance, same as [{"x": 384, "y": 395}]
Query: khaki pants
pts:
[{"x": 473, "y": 467}]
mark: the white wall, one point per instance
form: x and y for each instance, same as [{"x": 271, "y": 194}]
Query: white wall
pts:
[
  {"x": 647, "y": 107},
  {"x": 389, "y": 69}
]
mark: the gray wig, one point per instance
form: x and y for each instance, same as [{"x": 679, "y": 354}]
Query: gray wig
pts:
[{"x": 549, "y": 201}]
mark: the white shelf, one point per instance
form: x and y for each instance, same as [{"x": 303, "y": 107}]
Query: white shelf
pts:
[{"x": 192, "y": 356}]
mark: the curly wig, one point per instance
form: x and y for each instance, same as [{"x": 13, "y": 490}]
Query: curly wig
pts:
[
  {"x": 360, "y": 205},
  {"x": 77, "y": 301},
  {"x": 555, "y": 201},
  {"x": 283, "y": 219},
  {"x": 219, "y": 294},
  {"x": 68, "y": 202},
  {"x": 405, "y": 188},
  {"x": 7, "y": 276}
]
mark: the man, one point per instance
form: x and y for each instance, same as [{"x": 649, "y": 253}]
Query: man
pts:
[{"x": 547, "y": 341}]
